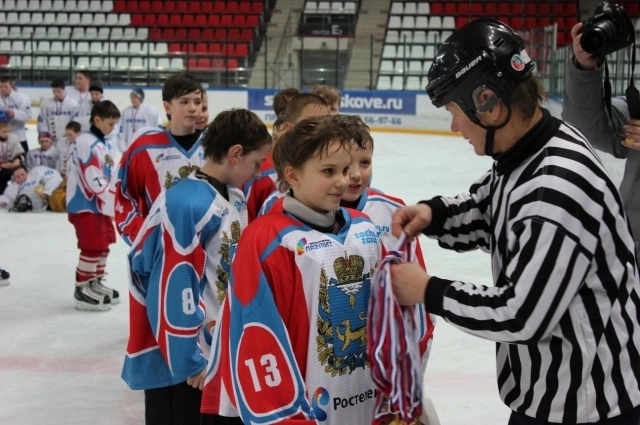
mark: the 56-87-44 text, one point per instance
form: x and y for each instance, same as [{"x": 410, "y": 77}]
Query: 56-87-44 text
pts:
[{"x": 381, "y": 120}]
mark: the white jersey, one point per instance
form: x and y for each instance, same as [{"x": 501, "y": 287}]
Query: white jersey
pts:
[
  {"x": 20, "y": 104},
  {"x": 39, "y": 180},
  {"x": 134, "y": 119},
  {"x": 65, "y": 150},
  {"x": 85, "y": 103},
  {"x": 37, "y": 157},
  {"x": 55, "y": 115}
]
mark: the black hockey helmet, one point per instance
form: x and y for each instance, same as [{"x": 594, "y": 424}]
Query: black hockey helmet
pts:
[{"x": 484, "y": 54}]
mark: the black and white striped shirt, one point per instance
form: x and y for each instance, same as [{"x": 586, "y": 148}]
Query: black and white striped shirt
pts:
[{"x": 565, "y": 307}]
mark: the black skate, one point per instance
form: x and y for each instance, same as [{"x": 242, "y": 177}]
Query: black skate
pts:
[
  {"x": 87, "y": 299},
  {"x": 4, "y": 277},
  {"x": 100, "y": 288}
]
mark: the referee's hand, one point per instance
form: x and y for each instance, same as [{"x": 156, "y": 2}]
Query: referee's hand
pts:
[{"x": 411, "y": 221}]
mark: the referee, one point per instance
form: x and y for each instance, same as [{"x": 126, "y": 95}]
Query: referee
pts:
[{"x": 565, "y": 306}]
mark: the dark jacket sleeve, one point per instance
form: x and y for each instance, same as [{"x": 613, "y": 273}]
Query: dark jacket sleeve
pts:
[{"x": 583, "y": 106}]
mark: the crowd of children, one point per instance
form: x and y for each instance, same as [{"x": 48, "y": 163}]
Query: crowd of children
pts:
[{"x": 287, "y": 226}]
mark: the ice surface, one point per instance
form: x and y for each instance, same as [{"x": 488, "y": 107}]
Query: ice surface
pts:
[{"x": 62, "y": 366}]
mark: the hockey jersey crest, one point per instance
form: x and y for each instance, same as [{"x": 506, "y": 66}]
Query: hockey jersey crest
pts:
[
  {"x": 180, "y": 266},
  {"x": 304, "y": 295},
  {"x": 153, "y": 163},
  {"x": 380, "y": 207}
]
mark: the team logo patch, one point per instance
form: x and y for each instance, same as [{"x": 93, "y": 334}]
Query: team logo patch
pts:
[
  {"x": 304, "y": 246},
  {"x": 183, "y": 172},
  {"x": 342, "y": 316},
  {"x": 227, "y": 252},
  {"x": 517, "y": 62}
]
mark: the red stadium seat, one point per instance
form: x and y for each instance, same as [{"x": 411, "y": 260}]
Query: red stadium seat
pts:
[
  {"x": 188, "y": 20},
  {"x": 157, "y": 7},
  {"x": 168, "y": 7},
  {"x": 244, "y": 7},
  {"x": 490, "y": 9},
  {"x": 232, "y": 65},
  {"x": 517, "y": 22},
  {"x": 436, "y": 8},
  {"x": 144, "y": 6},
  {"x": 119, "y": 6},
  {"x": 162, "y": 20},
  {"x": 571, "y": 9},
  {"x": 241, "y": 50},
  {"x": 214, "y": 49},
  {"x": 183, "y": 6},
  {"x": 214, "y": 20},
  {"x": 257, "y": 6},
  {"x": 450, "y": 9},
  {"x": 253, "y": 21},
  {"x": 219, "y": 7},
  {"x": 530, "y": 23},
  {"x": 192, "y": 63},
  {"x": 201, "y": 20},
  {"x": 207, "y": 34},
  {"x": 220, "y": 34},
  {"x": 195, "y": 34},
  {"x": 168, "y": 34},
  {"x": 206, "y": 7},
  {"x": 476, "y": 8},
  {"x": 503, "y": 8},
  {"x": 131, "y": 6},
  {"x": 544, "y": 9},
  {"x": 461, "y": 21},
  {"x": 175, "y": 48},
  {"x": 204, "y": 63},
  {"x": 544, "y": 22},
  {"x": 247, "y": 35},
  {"x": 137, "y": 20},
  {"x": 194, "y": 6},
  {"x": 239, "y": 20},
  {"x": 181, "y": 34},
  {"x": 226, "y": 20},
  {"x": 234, "y": 35},
  {"x": 150, "y": 20},
  {"x": 232, "y": 7},
  {"x": 155, "y": 34},
  {"x": 174, "y": 21}
]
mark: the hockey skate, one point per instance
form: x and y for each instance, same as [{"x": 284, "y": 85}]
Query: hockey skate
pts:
[
  {"x": 4, "y": 277},
  {"x": 89, "y": 300},
  {"x": 100, "y": 288}
]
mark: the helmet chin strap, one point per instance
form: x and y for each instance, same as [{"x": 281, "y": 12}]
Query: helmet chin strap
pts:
[{"x": 491, "y": 131}]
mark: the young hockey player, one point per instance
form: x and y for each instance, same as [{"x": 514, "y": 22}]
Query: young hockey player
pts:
[
  {"x": 90, "y": 206},
  {"x": 203, "y": 120},
  {"x": 331, "y": 95},
  {"x": 280, "y": 102},
  {"x": 301, "y": 106},
  {"x": 11, "y": 154},
  {"x": 57, "y": 112},
  {"x": 180, "y": 269},
  {"x": 159, "y": 158},
  {"x": 46, "y": 154},
  {"x": 138, "y": 115},
  {"x": 81, "y": 93},
  {"x": 65, "y": 146},
  {"x": 17, "y": 106},
  {"x": 31, "y": 189},
  {"x": 300, "y": 286}
]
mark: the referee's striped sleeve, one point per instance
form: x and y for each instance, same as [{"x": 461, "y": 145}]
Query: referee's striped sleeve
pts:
[
  {"x": 549, "y": 267},
  {"x": 462, "y": 223}
]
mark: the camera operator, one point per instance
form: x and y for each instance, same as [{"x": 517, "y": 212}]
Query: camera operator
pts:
[{"x": 618, "y": 135}]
